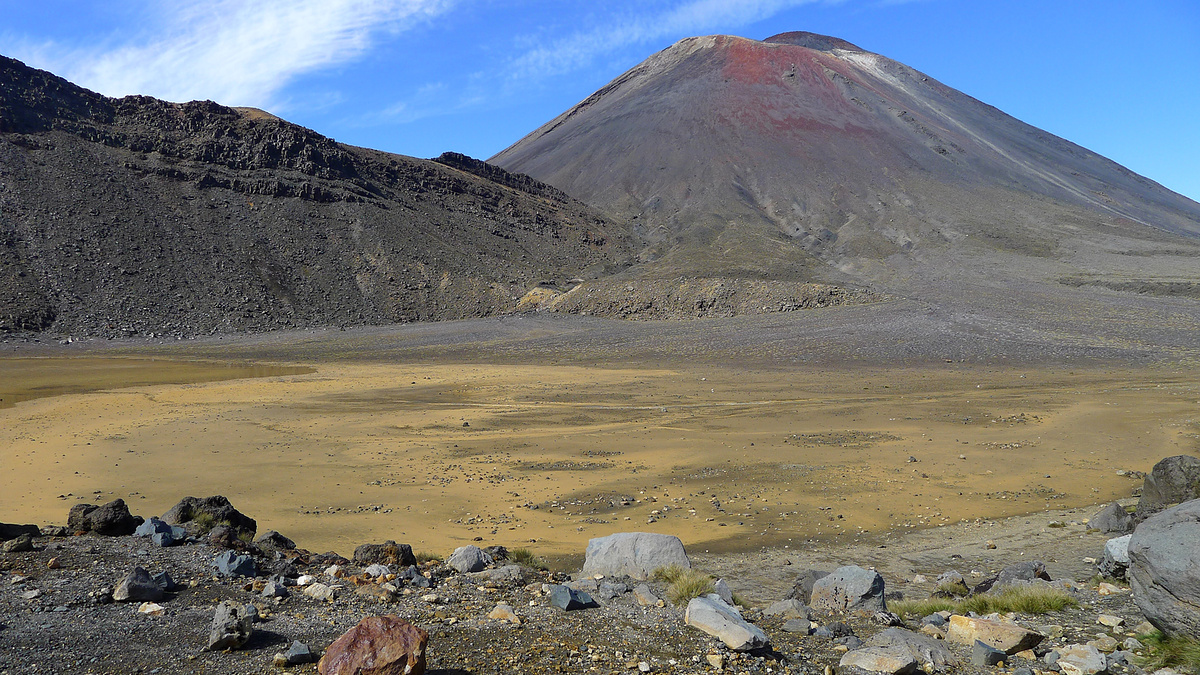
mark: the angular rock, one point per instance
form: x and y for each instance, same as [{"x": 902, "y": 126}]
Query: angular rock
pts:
[
  {"x": 509, "y": 574},
  {"x": 1115, "y": 561},
  {"x": 377, "y": 570},
  {"x": 951, "y": 584},
  {"x": 19, "y": 544},
  {"x": 77, "y": 518},
  {"x": 112, "y": 519},
  {"x": 498, "y": 553},
  {"x": 802, "y": 626},
  {"x": 849, "y": 589},
  {"x": 469, "y": 559},
  {"x": 1022, "y": 573},
  {"x": 232, "y": 626},
  {"x": 891, "y": 660},
  {"x": 645, "y": 595},
  {"x": 378, "y": 644},
  {"x": 568, "y": 599},
  {"x": 387, "y": 553},
  {"x": 138, "y": 586},
  {"x": 321, "y": 592},
  {"x": 633, "y": 554},
  {"x": 1173, "y": 480},
  {"x": 1007, "y": 637},
  {"x": 8, "y": 531},
  {"x": 723, "y": 591},
  {"x": 1111, "y": 519},
  {"x": 609, "y": 590},
  {"x": 375, "y": 593},
  {"x": 231, "y": 564},
  {"x": 1164, "y": 569},
  {"x": 205, "y": 514},
  {"x": 1081, "y": 660},
  {"x": 297, "y": 654},
  {"x": 273, "y": 540},
  {"x": 983, "y": 654},
  {"x": 803, "y": 586},
  {"x": 790, "y": 608},
  {"x": 163, "y": 539},
  {"x": 275, "y": 589},
  {"x": 928, "y": 652},
  {"x": 165, "y": 582},
  {"x": 503, "y": 612},
  {"x": 713, "y": 616}
]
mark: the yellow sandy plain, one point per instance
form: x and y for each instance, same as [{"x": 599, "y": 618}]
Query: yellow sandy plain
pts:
[{"x": 548, "y": 456}]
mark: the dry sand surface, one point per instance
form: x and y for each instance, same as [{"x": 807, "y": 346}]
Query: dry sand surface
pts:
[{"x": 549, "y": 456}]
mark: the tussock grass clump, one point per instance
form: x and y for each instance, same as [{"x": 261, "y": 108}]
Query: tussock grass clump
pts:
[
  {"x": 668, "y": 574},
  {"x": 690, "y": 584},
  {"x": 526, "y": 557},
  {"x": 951, "y": 590},
  {"x": 1033, "y": 599},
  {"x": 919, "y": 608},
  {"x": 1170, "y": 651},
  {"x": 425, "y": 557}
]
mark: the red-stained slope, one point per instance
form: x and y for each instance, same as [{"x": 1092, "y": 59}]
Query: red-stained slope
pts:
[{"x": 805, "y": 157}]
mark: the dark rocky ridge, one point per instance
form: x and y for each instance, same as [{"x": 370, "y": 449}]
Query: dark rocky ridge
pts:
[{"x": 136, "y": 216}]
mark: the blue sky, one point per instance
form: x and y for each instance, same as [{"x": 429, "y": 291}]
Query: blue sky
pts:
[{"x": 422, "y": 76}]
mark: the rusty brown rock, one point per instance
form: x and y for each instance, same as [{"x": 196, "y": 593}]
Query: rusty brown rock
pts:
[{"x": 378, "y": 645}]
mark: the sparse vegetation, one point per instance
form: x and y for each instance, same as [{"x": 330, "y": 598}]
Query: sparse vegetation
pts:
[
  {"x": 668, "y": 574},
  {"x": 425, "y": 557},
  {"x": 1033, "y": 599},
  {"x": 952, "y": 590},
  {"x": 1170, "y": 651},
  {"x": 526, "y": 557},
  {"x": 246, "y": 537},
  {"x": 689, "y": 584}
]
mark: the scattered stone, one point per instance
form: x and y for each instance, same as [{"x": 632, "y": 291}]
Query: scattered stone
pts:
[
  {"x": 151, "y": 608},
  {"x": 378, "y": 644},
  {"x": 1106, "y": 588},
  {"x": 1110, "y": 620},
  {"x": 569, "y": 599},
  {"x": 609, "y": 590},
  {"x": 1081, "y": 660},
  {"x": 164, "y": 581},
  {"x": 716, "y": 661},
  {"x": 319, "y": 592},
  {"x": 713, "y": 616},
  {"x": 1007, "y": 637},
  {"x": 509, "y": 574},
  {"x": 802, "y": 626},
  {"x": 204, "y": 514},
  {"x": 1172, "y": 480},
  {"x": 275, "y": 589},
  {"x": 297, "y": 654},
  {"x": 983, "y": 654},
  {"x": 1022, "y": 573},
  {"x": 893, "y": 660},
  {"x": 1164, "y": 554},
  {"x": 469, "y": 559},
  {"x": 387, "y": 553},
  {"x": 645, "y": 596},
  {"x": 31, "y": 594},
  {"x": 20, "y": 544},
  {"x": 1106, "y": 643},
  {"x": 273, "y": 540},
  {"x": 789, "y": 609},
  {"x": 1111, "y": 519},
  {"x": 803, "y": 586},
  {"x": 1132, "y": 644},
  {"x": 990, "y": 545},
  {"x": 723, "y": 591},
  {"x": 633, "y": 554},
  {"x": 377, "y": 570},
  {"x": 375, "y": 593},
  {"x": 1116, "y": 557},
  {"x": 849, "y": 589},
  {"x": 232, "y": 626},
  {"x": 503, "y": 612},
  {"x": 54, "y": 564},
  {"x": 138, "y": 586},
  {"x": 887, "y": 619},
  {"x": 927, "y": 651},
  {"x": 232, "y": 564}
]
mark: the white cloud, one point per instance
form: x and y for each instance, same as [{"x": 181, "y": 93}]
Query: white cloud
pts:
[
  {"x": 680, "y": 20},
  {"x": 237, "y": 52}
]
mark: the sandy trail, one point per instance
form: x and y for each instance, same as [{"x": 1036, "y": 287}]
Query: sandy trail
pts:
[{"x": 437, "y": 455}]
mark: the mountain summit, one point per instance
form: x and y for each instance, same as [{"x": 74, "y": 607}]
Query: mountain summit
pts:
[{"x": 804, "y": 157}]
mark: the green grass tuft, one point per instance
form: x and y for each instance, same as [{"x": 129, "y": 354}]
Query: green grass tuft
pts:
[
  {"x": 953, "y": 590},
  {"x": 668, "y": 574},
  {"x": 423, "y": 557},
  {"x": 1034, "y": 599},
  {"x": 526, "y": 557},
  {"x": 1170, "y": 651},
  {"x": 687, "y": 585}
]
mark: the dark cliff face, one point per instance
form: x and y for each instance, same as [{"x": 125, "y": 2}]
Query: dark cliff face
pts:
[
  {"x": 132, "y": 216},
  {"x": 805, "y": 157}
]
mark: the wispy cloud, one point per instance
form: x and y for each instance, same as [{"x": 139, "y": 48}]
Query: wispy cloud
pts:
[
  {"x": 579, "y": 49},
  {"x": 238, "y": 52}
]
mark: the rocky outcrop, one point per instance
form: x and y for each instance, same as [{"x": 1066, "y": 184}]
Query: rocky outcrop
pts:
[
  {"x": 387, "y": 553},
  {"x": 1164, "y": 568},
  {"x": 203, "y": 515},
  {"x": 1111, "y": 519},
  {"x": 378, "y": 644},
  {"x": 849, "y": 589},
  {"x": 112, "y": 519},
  {"x": 633, "y": 554},
  {"x": 1115, "y": 560},
  {"x": 1173, "y": 480},
  {"x": 469, "y": 559}
]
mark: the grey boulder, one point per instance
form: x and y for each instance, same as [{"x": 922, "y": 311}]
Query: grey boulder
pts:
[
  {"x": 387, "y": 553},
  {"x": 1111, "y": 519},
  {"x": 983, "y": 654},
  {"x": 790, "y": 608},
  {"x": 633, "y": 554},
  {"x": 849, "y": 589},
  {"x": 232, "y": 626},
  {"x": 10, "y": 531},
  {"x": 1164, "y": 569},
  {"x": 138, "y": 586},
  {"x": 112, "y": 519},
  {"x": 569, "y": 599},
  {"x": 890, "y": 660},
  {"x": 930, "y": 654},
  {"x": 713, "y": 616},
  {"x": 204, "y": 514},
  {"x": 1115, "y": 560},
  {"x": 803, "y": 586},
  {"x": 469, "y": 559},
  {"x": 231, "y": 564},
  {"x": 20, "y": 544},
  {"x": 1173, "y": 480}
]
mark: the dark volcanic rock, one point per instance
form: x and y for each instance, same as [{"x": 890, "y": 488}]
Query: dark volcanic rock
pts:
[
  {"x": 327, "y": 235},
  {"x": 232, "y": 626},
  {"x": 138, "y": 586},
  {"x": 803, "y": 586},
  {"x": 1111, "y": 519},
  {"x": 387, "y": 553},
  {"x": 112, "y": 519},
  {"x": 1172, "y": 480},
  {"x": 206, "y": 514},
  {"x": 382, "y": 644},
  {"x": 1164, "y": 569},
  {"x": 8, "y": 531}
]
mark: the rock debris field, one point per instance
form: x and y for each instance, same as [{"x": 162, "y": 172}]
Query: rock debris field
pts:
[{"x": 200, "y": 590}]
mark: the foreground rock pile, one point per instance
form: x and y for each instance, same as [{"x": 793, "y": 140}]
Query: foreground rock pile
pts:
[{"x": 200, "y": 590}]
